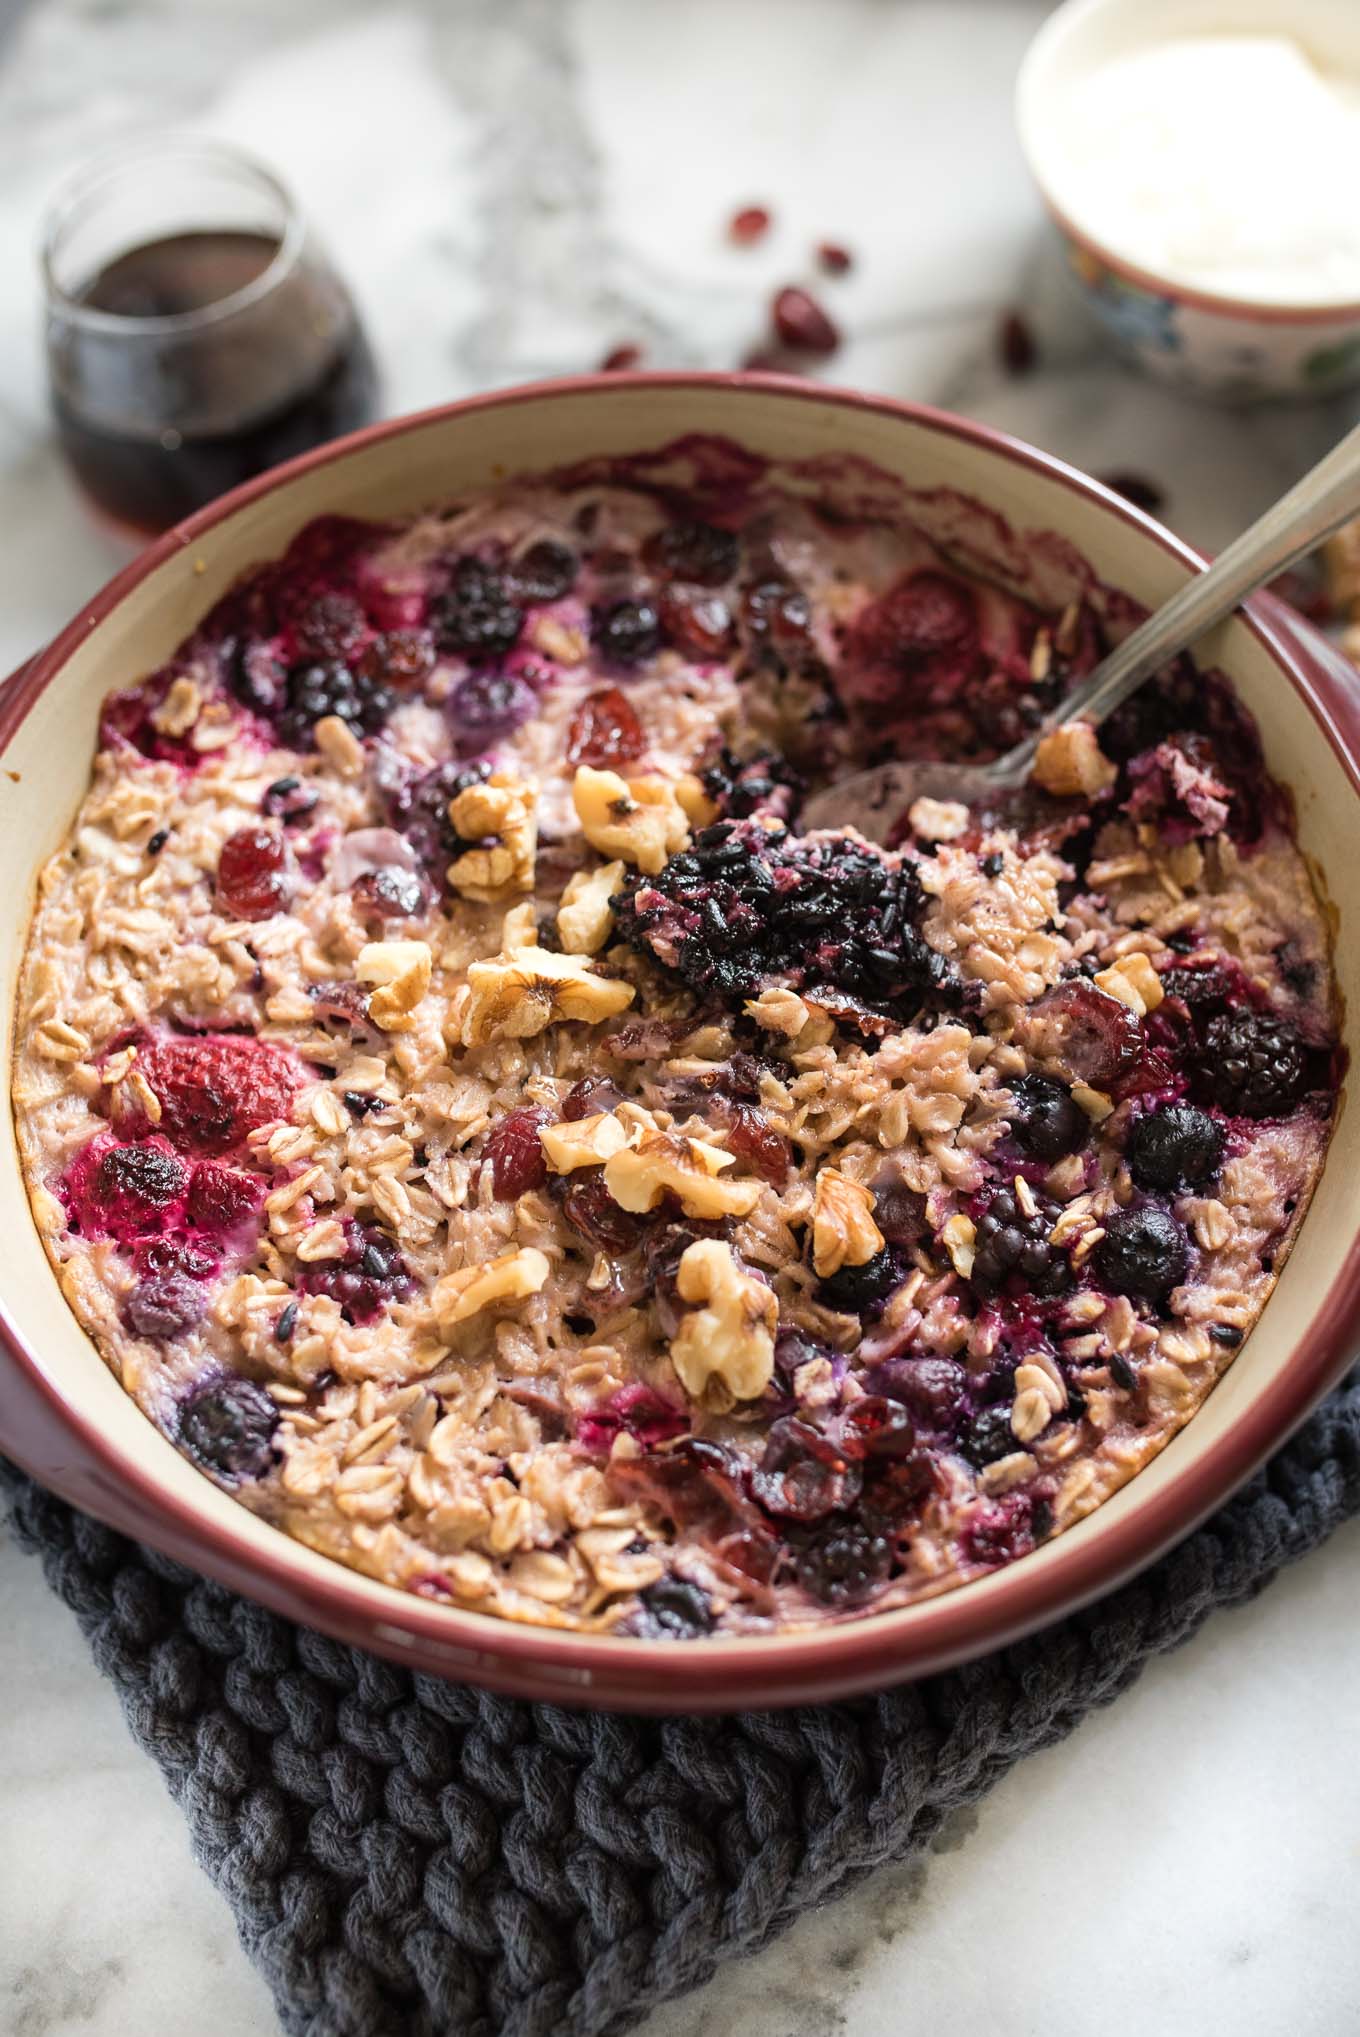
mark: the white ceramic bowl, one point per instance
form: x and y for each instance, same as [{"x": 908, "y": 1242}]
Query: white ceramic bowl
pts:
[{"x": 1223, "y": 347}]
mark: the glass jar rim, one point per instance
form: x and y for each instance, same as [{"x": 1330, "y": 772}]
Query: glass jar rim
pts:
[{"x": 85, "y": 185}]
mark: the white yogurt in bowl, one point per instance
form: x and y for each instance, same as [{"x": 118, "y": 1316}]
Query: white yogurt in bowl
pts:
[{"x": 1202, "y": 160}]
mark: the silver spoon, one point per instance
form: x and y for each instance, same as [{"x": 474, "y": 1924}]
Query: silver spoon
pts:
[{"x": 1326, "y": 497}]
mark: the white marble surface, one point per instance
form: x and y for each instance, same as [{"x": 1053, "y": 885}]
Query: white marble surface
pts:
[{"x": 514, "y": 186}]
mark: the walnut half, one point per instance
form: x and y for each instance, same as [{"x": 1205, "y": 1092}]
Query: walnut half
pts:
[
  {"x": 663, "y": 1162},
  {"x": 499, "y": 816},
  {"x": 522, "y": 991},
  {"x": 460, "y": 1296},
  {"x": 729, "y": 1335},
  {"x": 843, "y": 1230}
]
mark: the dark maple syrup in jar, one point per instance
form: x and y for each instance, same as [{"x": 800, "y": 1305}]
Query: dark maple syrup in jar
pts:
[{"x": 213, "y": 360}]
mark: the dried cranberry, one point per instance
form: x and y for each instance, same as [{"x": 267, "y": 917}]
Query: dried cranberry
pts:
[
  {"x": 756, "y": 1142},
  {"x": 253, "y": 877},
  {"x": 1098, "y": 1038},
  {"x": 749, "y": 225},
  {"x": 478, "y": 615},
  {"x": 331, "y": 625},
  {"x": 220, "y": 1199},
  {"x": 591, "y": 1094},
  {"x": 801, "y": 323},
  {"x": 627, "y": 632},
  {"x": 1137, "y": 489},
  {"x": 833, "y": 259},
  {"x": 228, "y": 1424},
  {"x": 514, "y": 1152},
  {"x": 698, "y": 624},
  {"x": 399, "y": 658},
  {"x": 701, "y": 552},
  {"x": 844, "y": 1564},
  {"x": 620, "y": 358},
  {"x": 164, "y": 1305},
  {"x": 215, "y": 1088},
  {"x": 545, "y": 572},
  {"x": 390, "y": 893},
  {"x": 488, "y": 705},
  {"x": 804, "y": 1475},
  {"x": 589, "y": 1208},
  {"x": 1015, "y": 344},
  {"x": 605, "y": 731},
  {"x": 341, "y": 1002},
  {"x": 878, "y": 1427}
]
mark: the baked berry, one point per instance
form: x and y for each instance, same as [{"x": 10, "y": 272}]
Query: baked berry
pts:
[
  {"x": 331, "y": 625},
  {"x": 1014, "y": 1249},
  {"x": 315, "y": 693},
  {"x": 1046, "y": 1123},
  {"x": 593, "y": 1093},
  {"x": 674, "y": 1609},
  {"x": 749, "y": 225},
  {"x": 999, "y": 1530},
  {"x": 254, "y": 879},
  {"x": 289, "y": 800},
  {"x": 803, "y": 1474},
  {"x": 390, "y": 893},
  {"x": 1254, "y": 1065},
  {"x": 487, "y": 706},
  {"x": 931, "y": 1389},
  {"x": 216, "y": 1088},
  {"x": 1096, "y": 1036},
  {"x": 605, "y": 731},
  {"x": 418, "y": 807},
  {"x": 163, "y": 1306},
  {"x": 876, "y": 1427},
  {"x": 1175, "y": 1147},
  {"x": 514, "y": 1152},
  {"x": 134, "y": 1185},
  {"x": 764, "y": 782},
  {"x": 636, "y": 1411},
  {"x": 763, "y": 1149},
  {"x": 175, "y": 1255},
  {"x": 590, "y": 1209},
  {"x": 833, "y": 259},
  {"x": 477, "y": 616},
  {"x": 801, "y": 324},
  {"x": 370, "y": 1274},
  {"x": 988, "y": 1436},
  {"x": 1143, "y": 1253},
  {"x": 856, "y": 1289},
  {"x": 254, "y": 675},
  {"x": 696, "y": 551},
  {"x": 696, "y": 623},
  {"x": 776, "y": 624},
  {"x": 221, "y": 1199},
  {"x": 917, "y": 644},
  {"x": 844, "y": 1564},
  {"x": 399, "y": 658},
  {"x": 229, "y": 1424},
  {"x": 627, "y": 632},
  {"x": 545, "y": 572}
]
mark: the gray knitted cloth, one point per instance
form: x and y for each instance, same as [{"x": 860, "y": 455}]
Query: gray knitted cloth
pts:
[{"x": 410, "y": 1858}]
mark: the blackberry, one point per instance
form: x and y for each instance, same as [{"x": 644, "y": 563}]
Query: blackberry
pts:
[
  {"x": 137, "y": 1181},
  {"x": 844, "y": 1564},
  {"x": 1176, "y": 1147},
  {"x": 1009, "y": 1244},
  {"x": 988, "y": 1437},
  {"x": 627, "y": 631},
  {"x": 694, "y": 551},
  {"x": 1253, "y": 1064},
  {"x": 762, "y": 783},
  {"x": 370, "y": 1273},
  {"x": 675, "y": 1610},
  {"x": 1046, "y": 1123},
  {"x": 855, "y": 1289},
  {"x": 545, "y": 572},
  {"x": 477, "y": 615},
  {"x": 1143, "y": 1253},
  {"x": 312, "y": 692},
  {"x": 747, "y": 903},
  {"x": 228, "y": 1424}
]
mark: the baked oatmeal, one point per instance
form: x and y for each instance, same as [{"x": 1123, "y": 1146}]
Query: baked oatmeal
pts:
[{"x": 496, "y": 1145}]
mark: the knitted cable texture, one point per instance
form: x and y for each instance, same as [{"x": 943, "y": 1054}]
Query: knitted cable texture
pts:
[{"x": 411, "y": 1858}]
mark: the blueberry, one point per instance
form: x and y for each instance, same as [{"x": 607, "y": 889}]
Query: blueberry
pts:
[
  {"x": 1175, "y": 1147},
  {"x": 228, "y": 1424},
  {"x": 854, "y": 1289},
  {"x": 627, "y": 631},
  {"x": 1045, "y": 1121},
  {"x": 989, "y": 1436},
  {"x": 1143, "y": 1253},
  {"x": 488, "y": 705},
  {"x": 163, "y": 1306},
  {"x": 545, "y": 572},
  {"x": 676, "y": 1610}
]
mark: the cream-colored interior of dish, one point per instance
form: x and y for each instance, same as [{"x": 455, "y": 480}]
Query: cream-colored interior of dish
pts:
[{"x": 51, "y": 757}]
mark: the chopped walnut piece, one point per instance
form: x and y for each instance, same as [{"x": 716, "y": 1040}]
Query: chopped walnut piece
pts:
[
  {"x": 401, "y": 970},
  {"x": 958, "y": 1238},
  {"x": 1134, "y": 981},
  {"x": 339, "y": 745},
  {"x": 1070, "y": 761},
  {"x": 939, "y": 820},
  {"x": 730, "y": 1334},
  {"x": 459, "y": 1296},
  {"x": 700, "y": 810},
  {"x": 585, "y": 1142},
  {"x": 639, "y": 819},
  {"x": 522, "y": 991},
  {"x": 499, "y": 814},
  {"x": 663, "y": 1163},
  {"x": 583, "y": 918},
  {"x": 178, "y": 711},
  {"x": 843, "y": 1230}
]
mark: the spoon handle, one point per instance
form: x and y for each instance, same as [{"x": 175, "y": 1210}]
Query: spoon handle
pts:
[{"x": 1326, "y": 497}]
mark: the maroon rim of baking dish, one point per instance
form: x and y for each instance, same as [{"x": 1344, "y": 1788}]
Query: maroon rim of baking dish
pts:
[{"x": 43, "y": 1427}]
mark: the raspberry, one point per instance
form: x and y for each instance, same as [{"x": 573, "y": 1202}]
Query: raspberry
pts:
[
  {"x": 489, "y": 705},
  {"x": 699, "y": 552},
  {"x": 627, "y": 632},
  {"x": 124, "y": 1191},
  {"x": 228, "y": 1425},
  {"x": 478, "y": 616},
  {"x": 803, "y": 1475},
  {"x": 390, "y": 893},
  {"x": 1012, "y": 1247},
  {"x": 163, "y": 1306},
  {"x": 1143, "y": 1253},
  {"x": 371, "y": 1273},
  {"x": 1177, "y": 1147},
  {"x": 997, "y": 1531},
  {"x": 1045, "y": 1121},
  {"x": 1253, "y": 1064},
  {"x": 253, "y": 880},
  {"x": 215, "y": 1088},
  {"x": 514, "y": 1153},
  {"x": 220, "y": 1199},
  {"x": 127, "y": 717},
  {"x": 675, "y": 1610},
  {"x": 605, "y": 731},
  {"x": 545, "y": 572},
  {"x": 844, "y": 1564}
]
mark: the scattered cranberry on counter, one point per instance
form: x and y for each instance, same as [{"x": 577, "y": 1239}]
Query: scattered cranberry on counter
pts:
[{"x": 801, "y": 323}]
